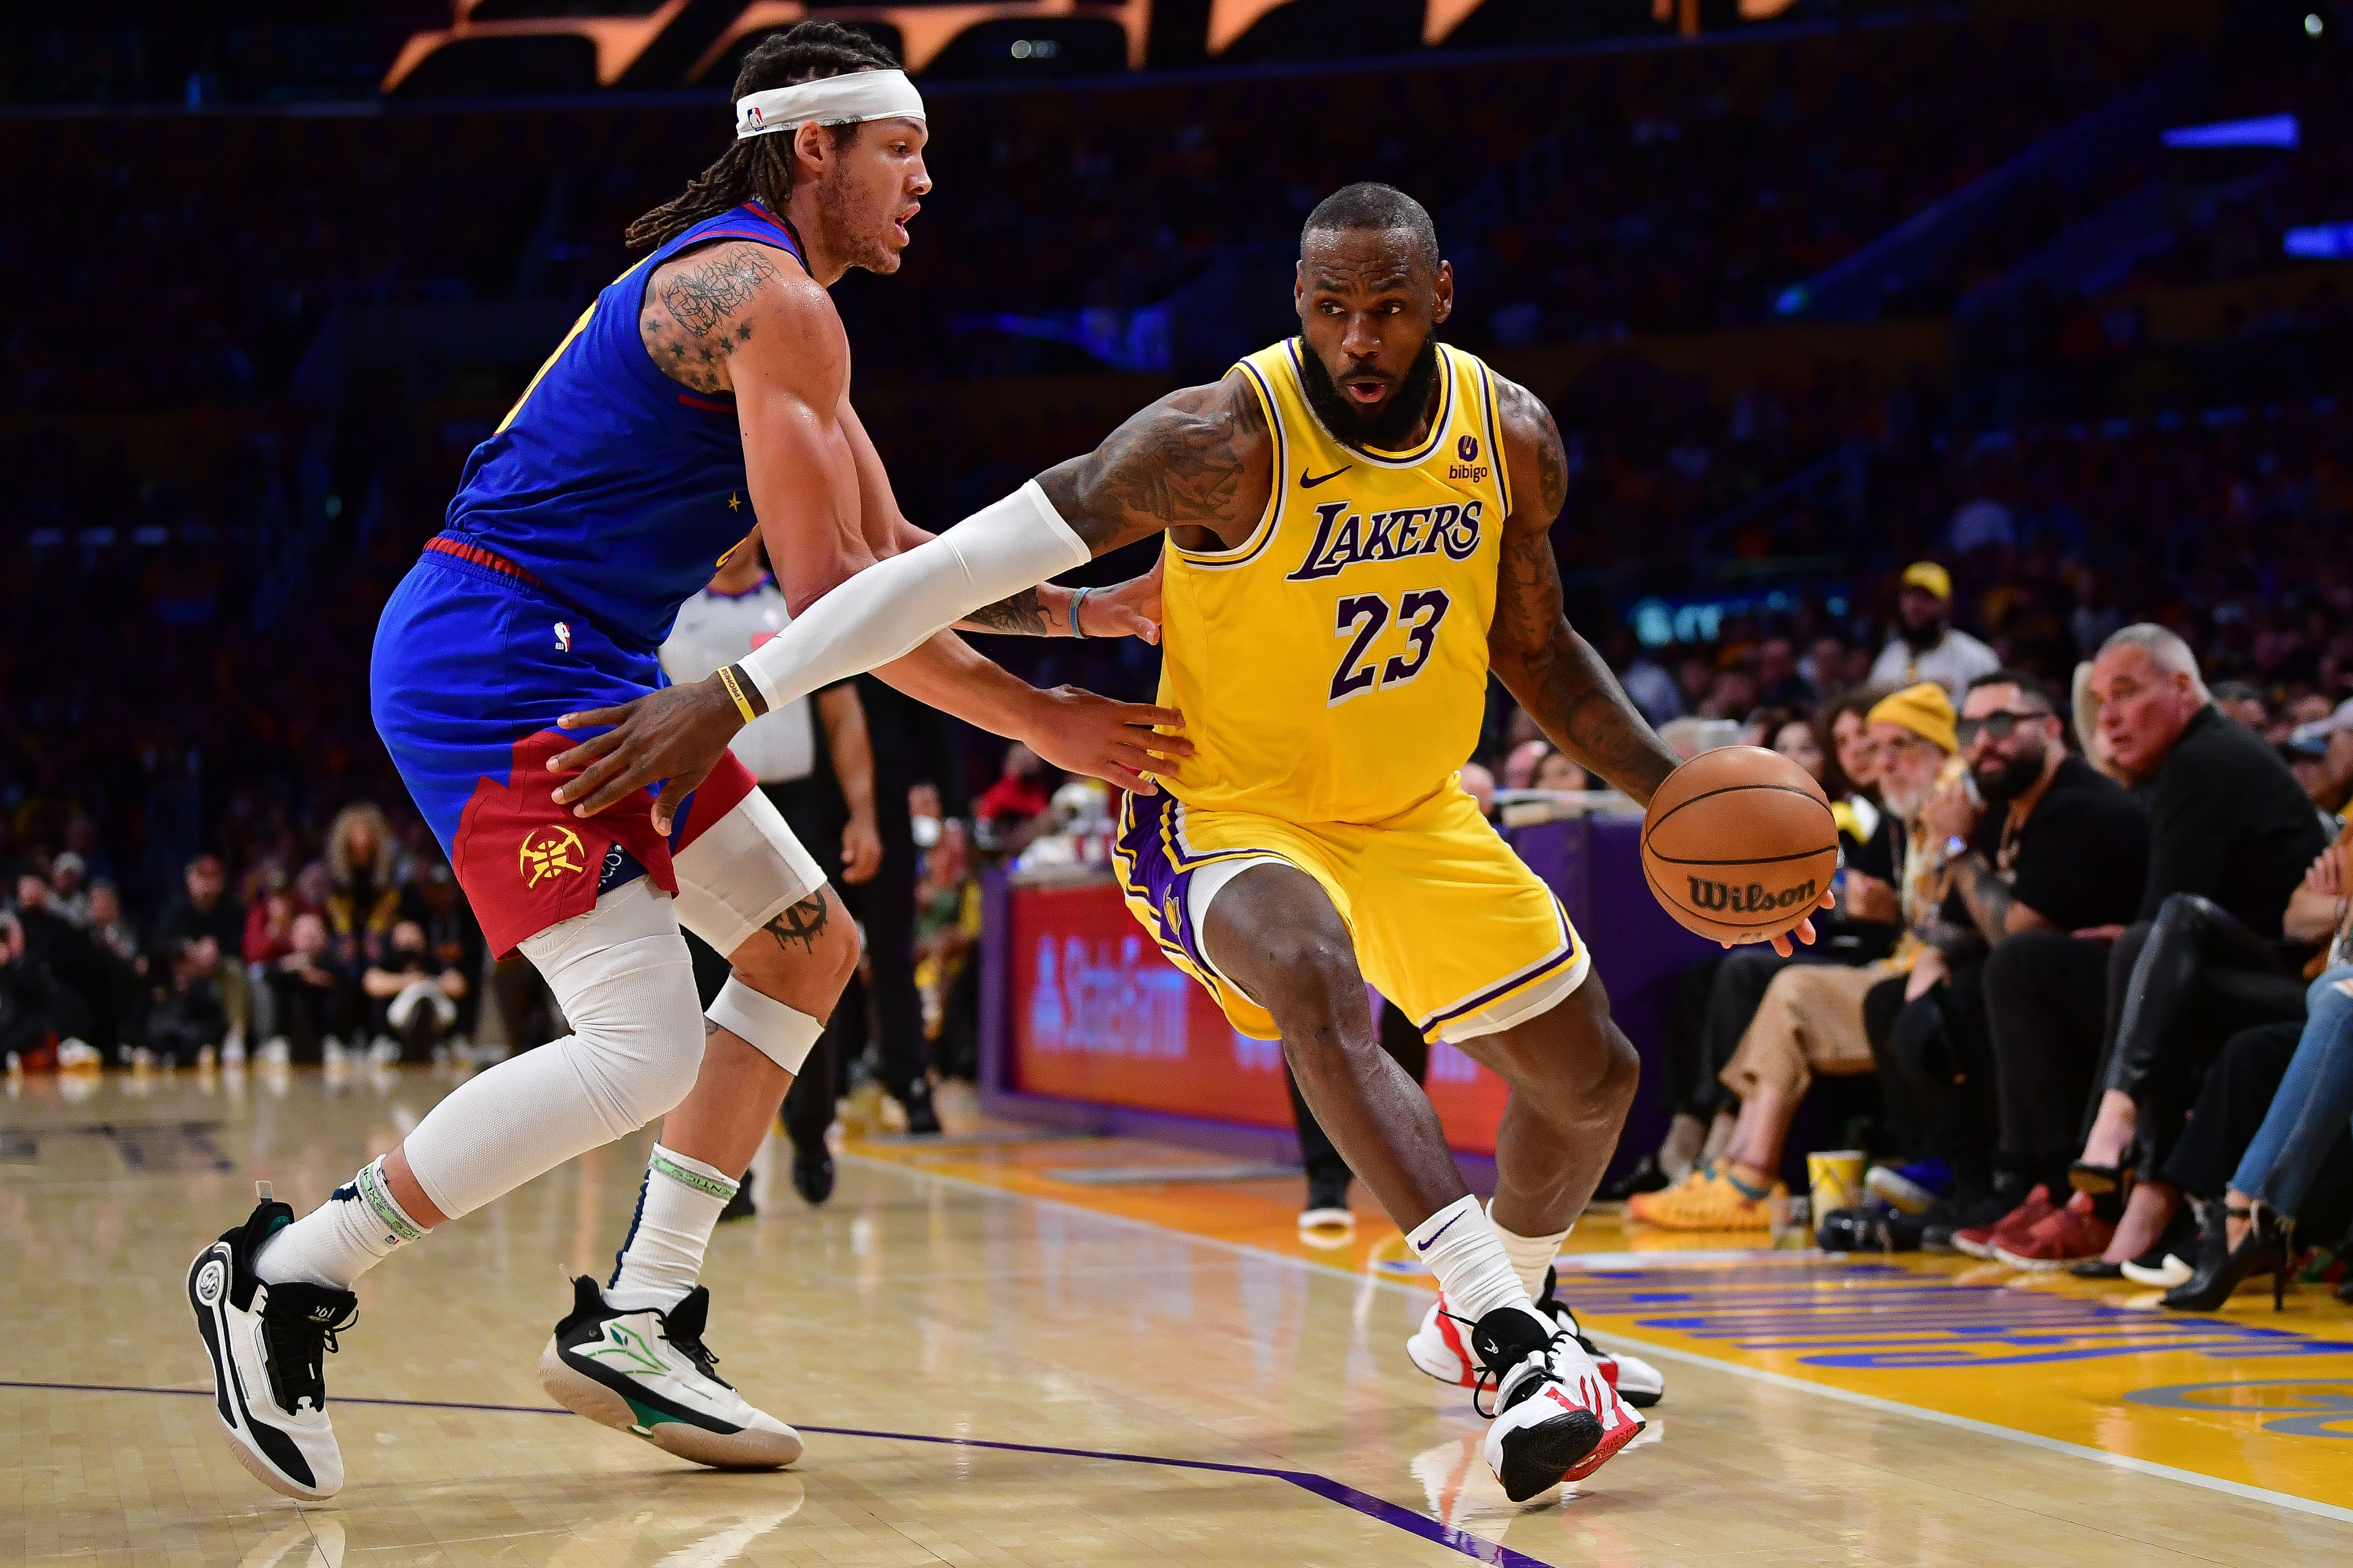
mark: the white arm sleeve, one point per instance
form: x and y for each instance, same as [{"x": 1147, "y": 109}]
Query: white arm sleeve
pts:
[{"x": 894, "y": 605}]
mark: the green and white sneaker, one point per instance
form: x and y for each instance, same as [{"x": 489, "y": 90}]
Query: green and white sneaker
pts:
[{"x": 646, "y": 1372}]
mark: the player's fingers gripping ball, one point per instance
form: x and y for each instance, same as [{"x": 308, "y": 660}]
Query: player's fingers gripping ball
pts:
[{"x": 1739, "y": 843}]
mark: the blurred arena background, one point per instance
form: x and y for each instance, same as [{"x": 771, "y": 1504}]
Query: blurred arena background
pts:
[{"x": 2052, "y": 293}]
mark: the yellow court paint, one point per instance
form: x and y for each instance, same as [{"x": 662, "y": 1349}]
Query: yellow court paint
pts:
[{"x": 2247, "y": 1397}]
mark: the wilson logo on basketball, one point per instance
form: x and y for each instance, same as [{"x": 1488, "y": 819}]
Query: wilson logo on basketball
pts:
[
  {"x": 550, "y": 852},
  {"x": 1752, "y": 898}
]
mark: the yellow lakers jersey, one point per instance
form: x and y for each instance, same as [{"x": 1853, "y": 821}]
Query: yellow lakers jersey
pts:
[{"x": 1333, "y": 666}]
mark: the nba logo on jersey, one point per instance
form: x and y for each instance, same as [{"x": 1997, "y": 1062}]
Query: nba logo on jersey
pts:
[{"x": 563, "y": 637}]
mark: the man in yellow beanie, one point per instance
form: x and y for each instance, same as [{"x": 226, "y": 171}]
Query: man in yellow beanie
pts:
[
  {"x": 1927, "y": 646},
  {"x": 1811, "y": 1020}
]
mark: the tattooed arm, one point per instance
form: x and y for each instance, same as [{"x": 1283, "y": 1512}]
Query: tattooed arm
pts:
[
  {"x": 1538, "y": 654},
  {"x": 1200, "y": 461},
  {"x": 731, "y": 318},
  {"x": 1991, "y": 900}
]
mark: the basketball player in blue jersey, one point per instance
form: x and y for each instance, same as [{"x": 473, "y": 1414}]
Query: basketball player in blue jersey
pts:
[
  {"x": 704, "y": 389},
  {"x": 1360, "y": 533}
]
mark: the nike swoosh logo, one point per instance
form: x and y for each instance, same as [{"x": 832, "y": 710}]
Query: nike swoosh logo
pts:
[
  {"x": 1307, "y": 484},
  {"x": 1426, "y": 1245}
]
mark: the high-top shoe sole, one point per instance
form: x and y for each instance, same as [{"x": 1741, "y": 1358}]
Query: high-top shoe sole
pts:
[{"x": 687, "y": 1435}]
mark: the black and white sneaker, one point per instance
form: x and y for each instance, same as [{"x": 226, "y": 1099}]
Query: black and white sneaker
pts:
[
  {"x": 646, "y": 1372},
  {"x": 267, "y": 1344},
  {"x": 1555, "y": 1417}
]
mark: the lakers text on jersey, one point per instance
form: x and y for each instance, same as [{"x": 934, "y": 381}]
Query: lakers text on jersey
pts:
[{"x": 1333, "y": 670}]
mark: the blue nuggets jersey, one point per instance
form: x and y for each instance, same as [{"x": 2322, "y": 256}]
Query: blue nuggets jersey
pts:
[
  {"x": 613, "y": 485},
  {"x": 600, "y": 506}
]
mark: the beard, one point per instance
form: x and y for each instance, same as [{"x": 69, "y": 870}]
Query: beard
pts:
[
  {"x": 1393, "y": 425},
  {"x": 1924, "y": 637},
  {"x": 859, "y": 238},
  {"x": 2014, "y": 778}
]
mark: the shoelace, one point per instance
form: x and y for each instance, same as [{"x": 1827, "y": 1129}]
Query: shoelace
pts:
[
  {"x": 1487, "y": 1380},
  {"x": 699, "y": 1353},
  {"x": 298, "y": 1353}
]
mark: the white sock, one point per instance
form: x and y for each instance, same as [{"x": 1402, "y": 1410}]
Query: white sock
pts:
[
  {"x": 1462, "y": 1248},
  {"x": 1530, "y": 1254},
  {"x": 342, "y": 1239},
  {"x": 678, "y": 1208}
]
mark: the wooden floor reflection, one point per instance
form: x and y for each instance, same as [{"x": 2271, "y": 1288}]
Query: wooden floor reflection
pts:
[{"x": 921, "y": 1304}]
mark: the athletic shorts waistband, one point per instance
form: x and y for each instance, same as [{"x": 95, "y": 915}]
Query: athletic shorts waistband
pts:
[{"x": 475, "y": 555}]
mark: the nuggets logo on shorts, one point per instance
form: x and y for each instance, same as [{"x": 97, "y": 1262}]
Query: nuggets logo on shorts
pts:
[{"x": 550, "y": 852}]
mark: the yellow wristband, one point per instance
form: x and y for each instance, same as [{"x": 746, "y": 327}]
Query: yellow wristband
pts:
[{"x": 727, "y": 679}]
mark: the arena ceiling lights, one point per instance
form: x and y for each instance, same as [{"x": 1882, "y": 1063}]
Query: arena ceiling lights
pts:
[{"x": 622, "y": 36}]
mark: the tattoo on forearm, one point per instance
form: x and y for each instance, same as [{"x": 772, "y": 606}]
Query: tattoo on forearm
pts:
[
  {"x": 1985, "y": 893},
  {"x": 699, "y": 322},
  {"x": 1022, "y": 613},
  {"x": 1556, "y": 675},
  {"x": 1166, "y": 466},
  {"x": 709, "y": 1029},
  {"x": 801, "y": 925}
]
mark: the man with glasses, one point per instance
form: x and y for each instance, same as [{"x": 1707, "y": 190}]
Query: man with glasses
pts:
[
  {"x": 2038, "y": 855},
  {"x": 2099, "y": 1045}
]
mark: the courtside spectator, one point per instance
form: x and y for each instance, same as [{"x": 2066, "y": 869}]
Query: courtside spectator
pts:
[
  {"x": 28, "y": 999},
  {"x": 363, "y": 899},
  {"x": 69, "y": 895},
  {"x": 453, "y": 937},
  {"x": 1558, "y": 770},
  {"x": 200, "y": 938},
  {"x": 1927, "y": 645},
  {"x": 1017, "y": 798},
  {"x": 2231, "y": 835},
  {"x": 2257, "y": 1134},
  {"x": 2055, "y": 849},
  {"x": 413, "y": 997},
  {"x": 1812, "y": 1018},
  {"x": 303, "y": 981}
]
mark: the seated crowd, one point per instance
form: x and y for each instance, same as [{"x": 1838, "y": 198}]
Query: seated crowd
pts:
[{"x": 2093, "y": 949}]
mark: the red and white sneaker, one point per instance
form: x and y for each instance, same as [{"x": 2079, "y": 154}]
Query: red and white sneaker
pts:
[
  {"x": 1440, "y": 1347},
  {"x": 1556, "y": 1417}
]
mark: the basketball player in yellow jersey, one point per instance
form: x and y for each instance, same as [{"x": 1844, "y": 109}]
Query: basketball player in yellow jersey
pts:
[{"x": 1359, "y": 524}]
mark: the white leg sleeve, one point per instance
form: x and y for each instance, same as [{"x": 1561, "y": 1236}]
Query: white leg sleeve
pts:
[
  {"x": 745, "y": 870},
  {"x": 622, "y": 976},
  {"x": 893, "y": 605}
]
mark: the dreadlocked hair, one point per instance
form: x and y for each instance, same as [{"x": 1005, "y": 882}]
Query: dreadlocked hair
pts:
[{"x": 760, "y": 167}]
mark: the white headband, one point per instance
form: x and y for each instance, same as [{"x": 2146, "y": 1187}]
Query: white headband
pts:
[{"x": 829, "y": 100}]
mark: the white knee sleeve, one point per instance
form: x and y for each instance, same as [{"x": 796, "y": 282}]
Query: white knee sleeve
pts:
[
  {"x": 784, "y": 1035},
  {"x": 622, "y": 976}
]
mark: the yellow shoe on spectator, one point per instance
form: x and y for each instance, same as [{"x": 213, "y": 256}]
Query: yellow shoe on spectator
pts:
[
  {"x": 1711, "y": 1199},
  {"x": 1638, "y": 1205}
]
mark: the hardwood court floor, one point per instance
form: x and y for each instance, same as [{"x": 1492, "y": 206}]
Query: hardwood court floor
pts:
[{"x": 993, "y": 1367}]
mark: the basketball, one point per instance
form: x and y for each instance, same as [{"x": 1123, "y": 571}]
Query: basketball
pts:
[{"x": 1739, "y": 843}]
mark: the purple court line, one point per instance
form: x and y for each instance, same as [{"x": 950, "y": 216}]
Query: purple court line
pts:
[{"x": 1346, "y": 1496}]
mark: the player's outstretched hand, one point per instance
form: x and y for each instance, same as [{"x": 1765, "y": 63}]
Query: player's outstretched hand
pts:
[
  {"x": 1129, "y": 609},
  {"x": 1803, "y": 931},
  {"x": 1081, "y": 733},
  {"x": 673, "y": 737}
]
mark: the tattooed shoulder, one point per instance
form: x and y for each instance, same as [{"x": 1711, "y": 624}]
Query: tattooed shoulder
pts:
[
  {"x": 1533, "y": 442},
  {"x": 1197, "y": 458},
  {"x": 698, "y": 310}
]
